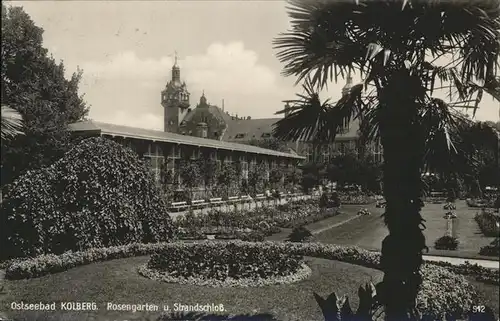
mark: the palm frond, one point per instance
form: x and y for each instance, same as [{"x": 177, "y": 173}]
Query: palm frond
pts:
[
  {"x": 312, "y": 120},
  {"x": 12, "y": 122}
]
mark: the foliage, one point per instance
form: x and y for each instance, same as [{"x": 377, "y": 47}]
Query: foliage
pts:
[
  {"x": 12, "y": 123},
  {"x": 352, "y": 169},
  {"x": 270, "y": 143},
  {"x": 222, "y": 260},
  {"x": 488, "y": 223},
  {"x": 51, "y": 263},
  {"x": 276, "y": 174},
  {"x": 446, "y": 243},
  {"x": 265, "y": 219},
  {"x": 336, "y": 308},
  {"x": 99, "y": 194},
  {"x": 312, "y": 174},
  {"x": 256, "y": 179},
  {"x": 493, "y": 249},
  {"x": 34, "y": 85},
  {"x": 363, "y": 211},
  {"x": 299, "y": 234},
  {"x": 355, "y": 198},
  {"x": 450, "y": 206},
  {"x": 228, "y": 180},
  {"x": 293, "y": 176},
  {"x": 190, "y": 173},
  {"x": 328, "y": 200}
]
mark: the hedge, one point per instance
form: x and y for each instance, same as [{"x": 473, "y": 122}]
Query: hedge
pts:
[{"x": 99, "y": 194}]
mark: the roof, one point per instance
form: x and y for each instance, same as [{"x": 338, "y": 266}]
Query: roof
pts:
[
  {"x": 101, "y": 128},
  {"x": 251, "y": 128},
  {"x": 255, "y": 128}
]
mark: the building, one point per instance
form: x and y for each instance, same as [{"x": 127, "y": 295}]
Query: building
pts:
[
  {"x": 210, "y": 121},
  {"x": 164, "y": 148}
]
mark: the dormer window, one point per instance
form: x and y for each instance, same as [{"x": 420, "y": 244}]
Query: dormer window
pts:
[
  {"x": 266, "y": 135},
  {"x": 240, "y": 135}
]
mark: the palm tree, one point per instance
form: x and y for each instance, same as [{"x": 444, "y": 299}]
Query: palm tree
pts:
[
  {"x": 396, "y": 46},
  {"x": 12, "y": 122}
]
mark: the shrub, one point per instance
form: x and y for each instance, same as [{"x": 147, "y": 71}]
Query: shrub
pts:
[
  {"x": 493, "y": 249},
  {"x": 355, "y": 198},
  {"x": 363, "y": 211},
  {"x": 299, "y": 234},
  {"x": 449, "y": 206},
  {"x": 487, "y": 222},
  {"x": 98, "y": 194},
  {"x": 222, "y": 260},
  {"x": 446, "y": 243}
]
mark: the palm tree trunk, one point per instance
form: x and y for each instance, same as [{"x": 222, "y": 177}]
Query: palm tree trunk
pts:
[{"x": 402, "y": 248}]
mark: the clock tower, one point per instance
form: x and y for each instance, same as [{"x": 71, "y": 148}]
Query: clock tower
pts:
[{"x": 175, "y": 101}]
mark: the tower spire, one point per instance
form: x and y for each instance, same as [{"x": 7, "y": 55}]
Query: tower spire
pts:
[
  {"x": 175, "y": 58},
  {"x": 176, "y": 71}
]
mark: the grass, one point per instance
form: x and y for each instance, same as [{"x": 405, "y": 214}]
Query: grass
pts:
[
  {"x": 369, "y": 231},
  {"x": 104, "y": 282}
]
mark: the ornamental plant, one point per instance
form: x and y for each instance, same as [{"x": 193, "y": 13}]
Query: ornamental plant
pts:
[
  {"x": 99, "y": 194},
  {"x": 446, "y": 242}
]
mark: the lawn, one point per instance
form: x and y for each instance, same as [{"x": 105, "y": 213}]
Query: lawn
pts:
[
  {"x": 117, "y": 281},
  {"x": 369, "y": 231}
]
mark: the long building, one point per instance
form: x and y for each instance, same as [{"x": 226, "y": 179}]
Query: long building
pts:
[{"x": 159, "y": 147}]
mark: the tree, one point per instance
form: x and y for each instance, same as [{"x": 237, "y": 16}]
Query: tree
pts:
[
  {"x": 190, "y": 172},
  {"x": 270, "y": 143},
  {"x": 256, "y": 179},
  {"x": 395, "y": 45},
  {"x": 293, "y": 176},
  {"x": 34, "y": 85},
  {"x": 276, "y": 174},
  {"x": 227, "y": 179}
]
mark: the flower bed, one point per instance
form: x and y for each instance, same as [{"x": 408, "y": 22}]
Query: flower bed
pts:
[
  {"x": 267, "y": 220},
  {"x": 487, "y": 222},
  {"x": 349, "y": 198},
  {"x": 226, "y": 264}
]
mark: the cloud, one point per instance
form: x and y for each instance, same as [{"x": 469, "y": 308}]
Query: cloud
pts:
[{"x": 126, "y": 88}]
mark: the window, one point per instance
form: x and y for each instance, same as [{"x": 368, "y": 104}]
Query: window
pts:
[
  {"x": 244, "y": 169},
  {"x": 228, "y": 159},
  {"x": 240, "y": 135},
  {"x": 266, "y": 135},
  {"x": 213, "y": 155}
]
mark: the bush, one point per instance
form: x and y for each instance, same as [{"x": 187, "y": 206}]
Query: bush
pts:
[
  {"x": 99, "y": 194},
  {"x": 446, "y": 243},
  {"x": 299, "y": 234},
  {"x": 487, "y": 222},
  {"x": 493, "y": 249},
  {"x": 222, "y": 260},
  {"x": 449, "y": 206},
  {"x": 51, "y": 263},
  {"x": 329, "y": 200},
  {"x": 363, "y": 211},
  {"x": 355, "y": 198}
]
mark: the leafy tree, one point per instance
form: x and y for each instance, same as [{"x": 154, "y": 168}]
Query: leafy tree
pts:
[
  {"x": 256, "y": 179},
  {"x": 227, "y": 179},
  {"x": 190, "y": 172},
  {"x": 293, "y": 176},
  {"x": 34, "y": 85},
  {"x": 270, "y": 143},
  {"x": 276, "y": 174},
  {"x": 396, "y": 46},
  {"x": 312, "y": 175}
]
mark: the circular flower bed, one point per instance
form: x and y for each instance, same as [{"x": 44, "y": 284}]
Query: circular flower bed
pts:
[{"x": 226, "y": 264}]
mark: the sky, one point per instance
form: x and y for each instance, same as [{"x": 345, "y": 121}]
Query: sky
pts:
[{"x": 126, "y": 51}]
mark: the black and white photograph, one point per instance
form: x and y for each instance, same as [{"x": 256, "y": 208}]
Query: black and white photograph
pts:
[{"x": 279, "y": 160}]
